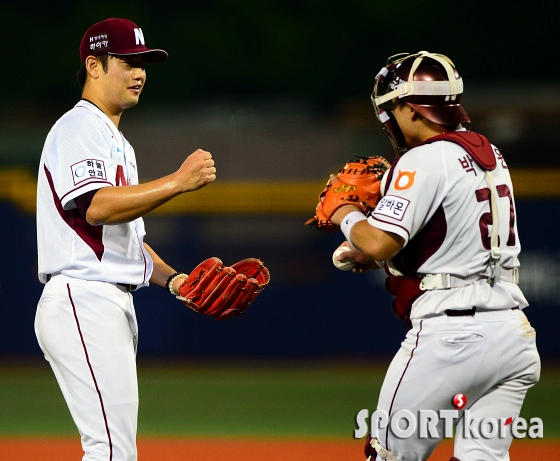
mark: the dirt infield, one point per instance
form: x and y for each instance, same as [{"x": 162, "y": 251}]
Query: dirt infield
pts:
[{"x": 167, "y": 449}]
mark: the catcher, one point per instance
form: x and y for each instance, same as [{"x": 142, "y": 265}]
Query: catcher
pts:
[{"x": 443, "y": 224}]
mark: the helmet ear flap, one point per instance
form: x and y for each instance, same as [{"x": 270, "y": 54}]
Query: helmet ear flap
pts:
[{"x": 383, "y": 108}]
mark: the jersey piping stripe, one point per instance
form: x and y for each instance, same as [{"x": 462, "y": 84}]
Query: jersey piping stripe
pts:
[
  {"x": 400, "y": 381},
  {"x": 143, "y": 249},
  {"x": 92, "y": 373},
  {"x": 375, "y": 218},
  {"x": 84, "y": 185},
  {"x": 91, "y": 235}
]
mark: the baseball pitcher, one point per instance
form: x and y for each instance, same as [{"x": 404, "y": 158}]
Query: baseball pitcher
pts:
[{"x": 91, "y": 249}]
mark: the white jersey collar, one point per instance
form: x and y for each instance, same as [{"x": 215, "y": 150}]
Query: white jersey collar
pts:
[{"x": 87, "y": 104}]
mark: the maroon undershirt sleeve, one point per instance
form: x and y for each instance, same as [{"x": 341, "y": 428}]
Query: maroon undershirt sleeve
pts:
[{"x": 84, "y": 201}]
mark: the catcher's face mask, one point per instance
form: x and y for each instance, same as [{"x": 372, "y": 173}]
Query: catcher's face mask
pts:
[{"x": 428, "y": 82}]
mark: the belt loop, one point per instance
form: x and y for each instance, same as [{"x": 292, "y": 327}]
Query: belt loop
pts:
[{"x": 515, "y": 275}]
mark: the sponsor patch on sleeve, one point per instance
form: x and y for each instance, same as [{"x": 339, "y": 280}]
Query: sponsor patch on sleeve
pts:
[
  {"x": 88, "y": 169},
  {"x": 392, "y": 207},
  {"x": 404, "y": 180}
]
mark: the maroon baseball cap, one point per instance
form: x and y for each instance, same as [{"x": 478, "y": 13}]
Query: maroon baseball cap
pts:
[{"x": 120, "y": 37}]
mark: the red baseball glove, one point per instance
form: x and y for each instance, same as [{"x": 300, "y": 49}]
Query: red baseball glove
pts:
[
  {"x": 223, "y": 292},
  {"x": 358, "y": 184}
]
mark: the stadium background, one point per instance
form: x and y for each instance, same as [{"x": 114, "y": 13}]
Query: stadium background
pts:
[{"x": 279, "y": 93}]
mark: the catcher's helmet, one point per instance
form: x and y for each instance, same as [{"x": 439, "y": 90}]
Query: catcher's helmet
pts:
[{"x": 428, "y": 82}]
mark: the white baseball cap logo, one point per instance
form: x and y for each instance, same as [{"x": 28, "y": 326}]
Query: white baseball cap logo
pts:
[{"x": 139, "y": 36}]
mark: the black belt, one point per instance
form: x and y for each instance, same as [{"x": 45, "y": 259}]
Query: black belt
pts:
[
  {"x": 126, "y": 286},
  {"x": 461, "y": 312},
  {"x": 50, "y": 276}
]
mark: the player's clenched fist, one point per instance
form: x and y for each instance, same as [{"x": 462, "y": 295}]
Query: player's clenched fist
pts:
[{"x": 196, "y": 171}]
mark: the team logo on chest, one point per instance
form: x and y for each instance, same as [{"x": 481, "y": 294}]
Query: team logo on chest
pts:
[{"x": 120, "y": 178}]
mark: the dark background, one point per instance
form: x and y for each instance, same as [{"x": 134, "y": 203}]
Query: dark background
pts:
[
  {"x": 306, "y": 69},
  {"x": 319, "y": 57},
  {"x": 320, "y": 51}
]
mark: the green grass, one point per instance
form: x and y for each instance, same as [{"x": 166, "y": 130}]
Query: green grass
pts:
[
  {"x": 543, "y": 401},
  {"x": 31, "y": 403},
  {"x": 256, "y": 401},
  {"x": 311, "y": 399}
]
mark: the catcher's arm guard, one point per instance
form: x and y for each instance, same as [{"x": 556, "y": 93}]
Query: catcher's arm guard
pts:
[
  {"x": 223, "y": 292},
  {"x": 358, "y": 184}
]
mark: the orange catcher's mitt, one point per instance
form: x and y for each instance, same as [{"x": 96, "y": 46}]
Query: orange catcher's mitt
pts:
[
  {"x": 223, "y": 292},
  {"x": 358, "y": 184}
]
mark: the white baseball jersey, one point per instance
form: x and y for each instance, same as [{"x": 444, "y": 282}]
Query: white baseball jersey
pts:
[
  {"x": 438, "y": 201},
  {"x": 84, "y": 151}
]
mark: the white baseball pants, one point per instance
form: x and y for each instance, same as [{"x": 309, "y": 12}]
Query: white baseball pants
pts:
[
  {"x": 88, "y": 333},
  {"x": 491, "y": 357}
]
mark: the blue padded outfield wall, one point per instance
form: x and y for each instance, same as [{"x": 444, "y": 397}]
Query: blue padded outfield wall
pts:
[{"x": 310, "y": 309}]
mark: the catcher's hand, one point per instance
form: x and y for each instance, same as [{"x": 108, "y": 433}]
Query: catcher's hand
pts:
[
  {"x": 358, "y": 184},
  {"x": 362, "y": 262},
  {"x": 223, "y": 292}
]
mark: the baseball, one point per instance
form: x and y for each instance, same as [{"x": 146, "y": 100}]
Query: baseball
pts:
[{"x": 345, "y": 264}]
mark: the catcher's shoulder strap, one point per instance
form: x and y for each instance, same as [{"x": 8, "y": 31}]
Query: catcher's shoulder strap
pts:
[
  {"x": 481, "y": 150},
  {"x": 475, "y": 144}
]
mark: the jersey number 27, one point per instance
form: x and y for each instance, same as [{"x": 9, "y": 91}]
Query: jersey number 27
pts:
[{"x": 483, "y": 195}]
